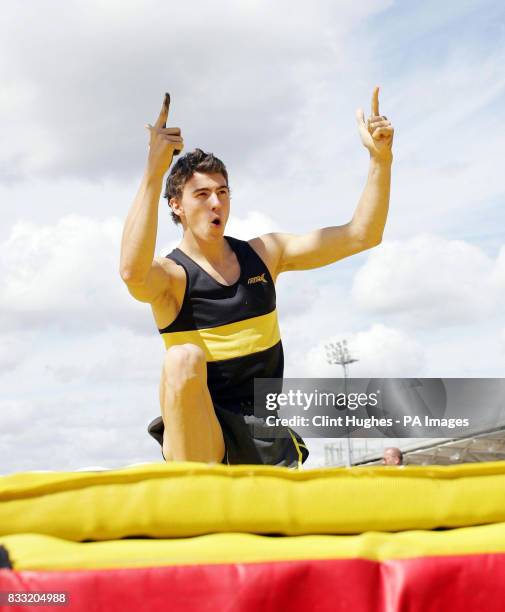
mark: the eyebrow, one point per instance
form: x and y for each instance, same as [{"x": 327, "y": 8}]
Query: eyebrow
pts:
[{"x": 207, "y": 188}]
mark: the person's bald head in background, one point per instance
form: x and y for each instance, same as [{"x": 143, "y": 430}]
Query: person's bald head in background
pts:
[{"x": 392, "y": 456}]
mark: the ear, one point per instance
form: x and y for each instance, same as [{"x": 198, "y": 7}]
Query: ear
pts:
[{"x": 176, "y": 207}]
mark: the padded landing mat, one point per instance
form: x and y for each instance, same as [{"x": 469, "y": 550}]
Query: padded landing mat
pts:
[
  {"x": 187, "y": 499},
  {"x": 37, "y": 552},
  {"x": 452, "y": 584},
  {"x": 416, "y": 539}
]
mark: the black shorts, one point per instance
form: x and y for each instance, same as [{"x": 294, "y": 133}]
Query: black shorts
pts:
[{"x": 248, "y": 440}]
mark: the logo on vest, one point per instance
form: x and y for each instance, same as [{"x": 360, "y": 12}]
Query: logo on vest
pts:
[{"x": 257, "y": 279}]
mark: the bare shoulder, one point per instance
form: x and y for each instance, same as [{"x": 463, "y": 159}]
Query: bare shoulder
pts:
[
  {"x": 165, "y": 280},
  {"x": 269, "y": 248},
  {"x": 169, "y": 268},
  {"x": 172, "y": 275},
  {"x": 167, "y": 304}
]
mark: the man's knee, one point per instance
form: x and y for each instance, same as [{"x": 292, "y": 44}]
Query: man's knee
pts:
[{"x": 184, "y": 363}]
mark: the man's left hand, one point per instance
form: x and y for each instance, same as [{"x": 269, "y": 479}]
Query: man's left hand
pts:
[{"x": 377, "y": 132}]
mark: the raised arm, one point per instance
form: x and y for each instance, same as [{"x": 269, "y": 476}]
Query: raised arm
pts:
[
  {"x": 324, "y": 246},
  {"x": 145, "y": 276}
]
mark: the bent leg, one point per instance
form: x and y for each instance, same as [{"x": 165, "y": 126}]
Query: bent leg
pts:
[{"x": 192, "y": 431}]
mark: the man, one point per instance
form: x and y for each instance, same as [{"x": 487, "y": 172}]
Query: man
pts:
[
  {"x": 392, "y": 456},
  {"x": 213, "y": 298}
]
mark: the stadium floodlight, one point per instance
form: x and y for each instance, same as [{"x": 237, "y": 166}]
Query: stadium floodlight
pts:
[{"x": 337, "y": 353}]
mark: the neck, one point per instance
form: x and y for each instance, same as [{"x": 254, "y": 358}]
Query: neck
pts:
[{"x": 214, "y": 251}]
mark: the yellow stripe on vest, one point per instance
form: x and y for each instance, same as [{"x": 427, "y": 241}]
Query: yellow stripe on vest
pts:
[{"x": 232, "y": 340}]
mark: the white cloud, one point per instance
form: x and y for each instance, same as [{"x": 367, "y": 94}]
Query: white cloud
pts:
[
  {"x": 17, "y": 415},
  {"x": 381, "y": 352},
  {"x": 113, "y": 357},
  {"x": 498, "y": 274},
  {"x": 427, "y": 280},
  {"x": 14, "y": 348},
  {"x": 386, "y": 352},
  {"x": 220, "y": 61},
  {"x": 85, "y": 400},
  {"x": 254, "y": 224},
  {"x": 66, "y": 275}
]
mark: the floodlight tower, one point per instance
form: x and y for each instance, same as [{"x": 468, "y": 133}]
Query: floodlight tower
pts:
[{"x": 337, "y": 353}]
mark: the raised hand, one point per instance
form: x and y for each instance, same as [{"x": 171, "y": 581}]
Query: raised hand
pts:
[
  {"x": 377, "y": 132},
  {"x": 164, "y": 142}
]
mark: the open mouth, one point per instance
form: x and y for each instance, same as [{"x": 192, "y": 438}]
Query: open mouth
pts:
[{"x": 216, "y": 222}]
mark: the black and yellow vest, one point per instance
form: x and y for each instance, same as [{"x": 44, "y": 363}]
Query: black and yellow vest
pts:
[{"x": 236, "y": 325}]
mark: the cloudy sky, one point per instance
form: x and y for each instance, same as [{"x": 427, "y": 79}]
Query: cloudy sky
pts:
[{"x": 271, "y": 88}]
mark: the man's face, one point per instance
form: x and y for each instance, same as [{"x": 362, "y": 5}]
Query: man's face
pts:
[
  {"x": 204, "y": 206},
  {"x": 391, "y": 457}
]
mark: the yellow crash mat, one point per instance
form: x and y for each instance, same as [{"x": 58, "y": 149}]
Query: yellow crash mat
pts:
[
  {"x": 162, "y": 500},
  {"x": 38, "y": 552}
]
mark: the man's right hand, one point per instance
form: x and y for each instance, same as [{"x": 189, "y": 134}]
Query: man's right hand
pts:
[{"x": 164, "y": 142}]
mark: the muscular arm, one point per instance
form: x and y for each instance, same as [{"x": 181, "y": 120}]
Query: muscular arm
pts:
[
  {"x": 140, "y": 229},
  {"x": 327, "y": 245},
  {"x": 145, "y": 276}
]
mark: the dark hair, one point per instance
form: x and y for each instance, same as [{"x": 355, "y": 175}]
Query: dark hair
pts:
[{"x": 183, "y": 170}]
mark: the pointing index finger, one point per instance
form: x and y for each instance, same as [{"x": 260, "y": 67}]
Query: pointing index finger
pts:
[
  {"x": 161, "y": 122},
  {"x": 375, "y": 102}
]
